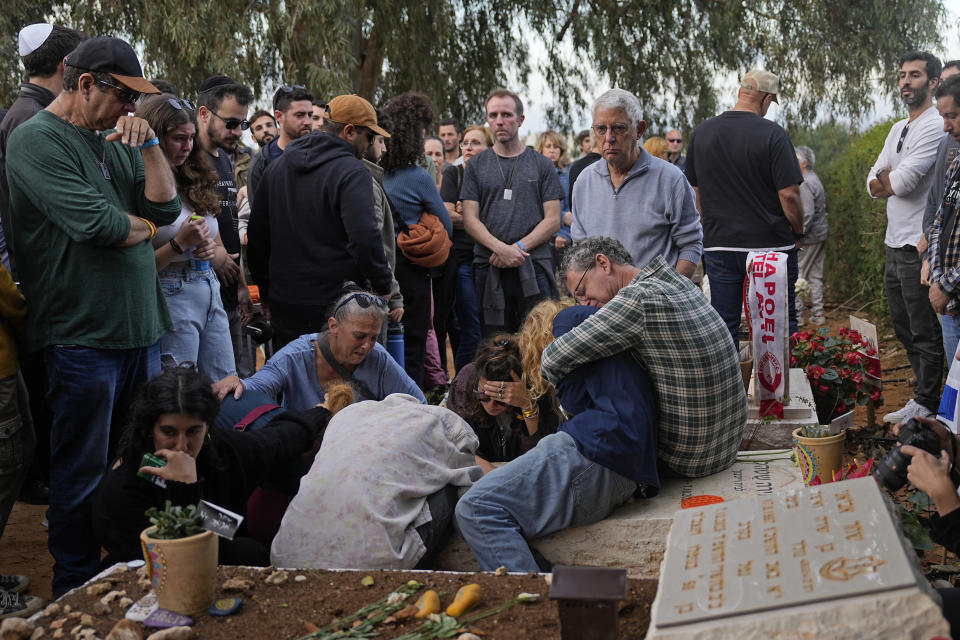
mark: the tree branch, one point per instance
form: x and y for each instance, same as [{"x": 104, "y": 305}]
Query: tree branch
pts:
[{"x": 570, "y": 18}]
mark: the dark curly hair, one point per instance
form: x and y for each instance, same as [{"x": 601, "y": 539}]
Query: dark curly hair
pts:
[
  {"x": 410, "y": 113},
  {"x": 196, "y": 177},
  {"x": 495, "y": 359},
  {"x": 181, "y": 390}
]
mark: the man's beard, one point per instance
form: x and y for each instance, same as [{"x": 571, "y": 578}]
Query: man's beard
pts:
[{"x": 919, "y": 96}]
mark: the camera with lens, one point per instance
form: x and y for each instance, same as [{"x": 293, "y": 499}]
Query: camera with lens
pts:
[{"x": 892, "y": 470}]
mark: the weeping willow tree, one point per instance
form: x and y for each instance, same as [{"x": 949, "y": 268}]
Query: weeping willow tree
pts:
[{"x": 669, "y": 52}]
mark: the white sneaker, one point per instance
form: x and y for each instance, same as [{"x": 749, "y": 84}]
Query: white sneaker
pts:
[
  {"x": 910, "y": 410},
  {"x": 818, "y": 319}
]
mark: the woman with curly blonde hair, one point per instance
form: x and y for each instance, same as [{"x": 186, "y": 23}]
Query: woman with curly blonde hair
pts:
[{"x": 501, "y": 393}]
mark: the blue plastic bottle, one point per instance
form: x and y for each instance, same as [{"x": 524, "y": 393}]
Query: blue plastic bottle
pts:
[
  {"x": 395, "y": 342},
  {"x": 199, "y": 265}
]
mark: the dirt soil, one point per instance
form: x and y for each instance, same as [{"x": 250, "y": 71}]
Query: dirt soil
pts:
[{"x": 295, "y": 608}]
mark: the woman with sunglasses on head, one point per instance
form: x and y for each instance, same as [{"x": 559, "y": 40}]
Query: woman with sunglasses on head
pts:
[
  {"x": 188, "y": 251},
  {"x": 172, "y": 418},
  {"x": 345, "y": 351}
]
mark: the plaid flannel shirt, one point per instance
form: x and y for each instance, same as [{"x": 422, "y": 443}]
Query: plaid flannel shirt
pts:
[
  {"x": 668, "y": 325},
  {"x": 946, "y": 273}
]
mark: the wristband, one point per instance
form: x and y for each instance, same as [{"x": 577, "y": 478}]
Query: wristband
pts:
[
  {"x": 153, "y": 227},
  {"x": 520, "y": 244},
  {"x": 152, "y": 142},
  {"x": 176, "y": 246}
]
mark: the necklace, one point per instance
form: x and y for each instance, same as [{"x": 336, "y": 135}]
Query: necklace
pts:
[
  {"x": 102, "y": 162},
  {"x": 508, "y": 185}
]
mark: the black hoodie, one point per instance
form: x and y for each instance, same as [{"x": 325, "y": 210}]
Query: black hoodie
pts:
[{"x": 313, "y": 225}]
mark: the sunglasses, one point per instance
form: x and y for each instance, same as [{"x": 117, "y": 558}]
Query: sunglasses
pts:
[
  {"x": 674, "y": 139},
  {"x": 364, "y": 300},
  {"x": 181, "y": 103},
  {"x": 232, "y": 123},
  {"x": 290, "y": 88},
  {"x": 124, "y": 94},
  {"x": 903, "y": 135}
]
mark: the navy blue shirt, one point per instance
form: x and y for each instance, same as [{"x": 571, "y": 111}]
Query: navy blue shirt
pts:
[{"x": 615, "y": 421}]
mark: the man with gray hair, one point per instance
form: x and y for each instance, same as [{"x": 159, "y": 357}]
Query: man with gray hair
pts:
[
  {"x": 640, "y": 199},
  {"x": 815, "y": 232},
  {"x": 746, "y": 176},
  {"x": 663, "y": 320}
]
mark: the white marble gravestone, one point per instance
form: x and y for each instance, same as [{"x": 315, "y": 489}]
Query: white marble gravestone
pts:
[{"x": 733, "y": 564}]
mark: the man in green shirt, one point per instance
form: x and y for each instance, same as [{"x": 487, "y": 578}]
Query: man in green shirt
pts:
[{"x": 85, "y": 203}]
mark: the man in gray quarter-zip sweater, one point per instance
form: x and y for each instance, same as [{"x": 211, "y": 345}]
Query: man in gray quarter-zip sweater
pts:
[{"x": 644, "y": 202}]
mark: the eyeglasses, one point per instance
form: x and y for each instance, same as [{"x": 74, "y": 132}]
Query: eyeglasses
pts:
[
  {"x": 903, "y": 135},
  {"x": 232, "y": 123},
  {"x": 577, "y": 293},
  {"x": 364, "y": 300},
  {"x": 472, "y": 143},
  {"x": 618, "y": 129},
  {"x": 181, "y": 103},
  {"x": 124, "y": 94},
  {"x": 674, "y": 139}
]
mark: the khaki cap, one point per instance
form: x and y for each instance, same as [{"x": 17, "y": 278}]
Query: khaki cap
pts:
[
  {"x": 352, "y": 109},
  {"x": 763, "y": 81}
]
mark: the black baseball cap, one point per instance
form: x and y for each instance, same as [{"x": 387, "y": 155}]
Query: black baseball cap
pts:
[{"x": 114, "y": 56}]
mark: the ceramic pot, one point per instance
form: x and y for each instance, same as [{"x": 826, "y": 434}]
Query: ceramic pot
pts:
[
  {"x": 183, "y": 571},
  {"x": 819, "y": 457}
]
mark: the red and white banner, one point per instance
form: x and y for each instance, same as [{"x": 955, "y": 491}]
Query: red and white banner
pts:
[{"x": 768, "y": 315}]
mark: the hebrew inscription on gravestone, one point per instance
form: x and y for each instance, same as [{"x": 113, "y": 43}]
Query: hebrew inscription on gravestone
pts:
[{"x": 798, "y": 546}]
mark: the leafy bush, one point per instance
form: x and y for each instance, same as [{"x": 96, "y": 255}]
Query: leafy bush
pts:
[
  {"x": 855, "y": 249},
  {"x": 174, "y": 522}
]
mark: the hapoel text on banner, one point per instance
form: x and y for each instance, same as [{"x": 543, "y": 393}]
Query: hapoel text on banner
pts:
[{"x": 767, "y": 299}]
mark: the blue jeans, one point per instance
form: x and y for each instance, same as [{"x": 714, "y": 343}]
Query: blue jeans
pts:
[
  {"x": 90, "y": 391},
  {"x": 547, "y": 489},
  {"x": 950, "y": 326},
  {"x": 201, "y": 331},
  {"x": 727, "y": 270},
  {"x": 468, "y": 316}
]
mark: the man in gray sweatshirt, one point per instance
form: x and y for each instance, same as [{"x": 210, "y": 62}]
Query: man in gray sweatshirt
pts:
[{"x": 643, "y": 201}]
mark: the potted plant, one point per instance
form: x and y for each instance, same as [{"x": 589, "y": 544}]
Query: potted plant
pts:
[
  {"x": 181, "y": 558},
  {"x": 837, "y": 368},
  {"x": 819, "y": 453}
]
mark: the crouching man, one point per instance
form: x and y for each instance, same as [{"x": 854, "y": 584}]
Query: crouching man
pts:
[{"x": 689, "y": 422}]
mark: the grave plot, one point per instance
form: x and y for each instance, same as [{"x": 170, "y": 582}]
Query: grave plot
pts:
[{"x": 826, "y": 561}]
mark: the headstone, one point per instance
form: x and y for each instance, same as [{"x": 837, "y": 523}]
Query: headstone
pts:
[
  {"x": 777, "y": 433},
  {"x": 730, "y": 565},
  {"x": 634, "y": 536}
]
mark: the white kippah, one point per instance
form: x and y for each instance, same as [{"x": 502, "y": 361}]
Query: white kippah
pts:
[{"x": 32, "y": 37}]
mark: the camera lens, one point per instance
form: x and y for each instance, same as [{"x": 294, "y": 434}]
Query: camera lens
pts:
[{"x": 892, "y": 470}]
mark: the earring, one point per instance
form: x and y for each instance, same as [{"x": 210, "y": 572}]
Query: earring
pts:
[{"x": 208, "y": 438}]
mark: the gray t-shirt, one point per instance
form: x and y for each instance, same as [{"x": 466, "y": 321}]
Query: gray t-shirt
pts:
[{"x": 532, "y": 180}]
